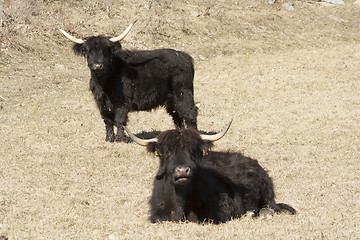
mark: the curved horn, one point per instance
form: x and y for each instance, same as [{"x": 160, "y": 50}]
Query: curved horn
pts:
[
  {"x": 73, "y": 39},
  {"x": 216, "y": 136},
  {"x": 142, "y": 142},
  {"x": 123, "y": 35}
]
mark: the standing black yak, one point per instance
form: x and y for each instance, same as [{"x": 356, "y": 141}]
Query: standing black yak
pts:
[
  {"x": 123, "y": 81},
  {"x": 199, "y": 185}
]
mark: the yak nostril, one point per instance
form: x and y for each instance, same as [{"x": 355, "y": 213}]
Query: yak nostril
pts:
[
  {"x": 182, "y": 171},
  {"x": 98, "y": 66}
]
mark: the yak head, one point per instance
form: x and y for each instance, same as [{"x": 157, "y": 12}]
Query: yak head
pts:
[
  {"x": 180, "y": 152},
  {"x": 98, "y": 50}
]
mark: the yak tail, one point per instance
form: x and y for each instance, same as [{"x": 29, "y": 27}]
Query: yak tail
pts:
[{"x": 281, "y": 207}]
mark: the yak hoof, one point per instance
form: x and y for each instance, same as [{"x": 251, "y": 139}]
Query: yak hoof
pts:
[{"x": 110, "y": 138}]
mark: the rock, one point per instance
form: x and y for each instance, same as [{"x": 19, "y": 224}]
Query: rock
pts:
[
  {"x": 271, "y": 2},
  {"x": 288, "y": 6},
  {"x": 147, "y": 6},
  {"x": 330, "y": 3},
  {"x": 194, "y": 13},
  {"x": 357, "y": 2}
]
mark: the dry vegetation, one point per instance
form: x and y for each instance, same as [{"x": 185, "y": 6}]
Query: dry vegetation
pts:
[{"x": 290, "y": 80}]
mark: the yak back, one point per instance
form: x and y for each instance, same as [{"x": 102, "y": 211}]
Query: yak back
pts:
[
  {"x": 150, "y": 78},
  {"x": 140, "y": 57},
  {"x": 234, "y": 165}
]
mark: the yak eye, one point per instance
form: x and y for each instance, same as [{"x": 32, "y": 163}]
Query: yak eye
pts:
[
  {"x": 88, "y": 52},
  {"x": 168, "y": 152},
  {"x": 164, "y": 153},
  {"x": 85, "y": 49}
]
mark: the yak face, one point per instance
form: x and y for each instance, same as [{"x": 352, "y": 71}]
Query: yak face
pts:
[
  {"x": 98, "y": 52},
  {"x": 178, "y": 167},
  {"x": 180, "y": 152}
]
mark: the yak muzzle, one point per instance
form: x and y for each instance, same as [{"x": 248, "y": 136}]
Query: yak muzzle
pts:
[
  {"x": 182, "y": 175},
  {"x": 97, "y": 67}
]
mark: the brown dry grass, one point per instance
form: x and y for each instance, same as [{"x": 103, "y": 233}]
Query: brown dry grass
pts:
[{"x": 290, "y": 80}]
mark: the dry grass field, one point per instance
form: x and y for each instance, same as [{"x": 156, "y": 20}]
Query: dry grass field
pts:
[{"x": 290, "y": 80}]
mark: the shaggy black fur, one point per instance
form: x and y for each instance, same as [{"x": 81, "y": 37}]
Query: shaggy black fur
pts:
[
  {"x": 215, "y": 187},
  {"x": 125, "y": 81}
]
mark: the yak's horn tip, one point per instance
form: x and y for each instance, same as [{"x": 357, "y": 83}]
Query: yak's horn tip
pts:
[
  {"x": 218, "y": 135},
  {"x": 71, "y": 38},
  {"x": 142, "y": 142},
  {"x": 123, "y": 35}
]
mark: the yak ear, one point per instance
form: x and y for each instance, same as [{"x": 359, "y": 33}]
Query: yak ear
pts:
[
  {"x": 151, "y": 147},
  {"x": 79, "y": 49}
]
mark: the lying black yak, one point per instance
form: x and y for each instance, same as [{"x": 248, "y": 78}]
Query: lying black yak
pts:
[{"x": 199, "y": 185}]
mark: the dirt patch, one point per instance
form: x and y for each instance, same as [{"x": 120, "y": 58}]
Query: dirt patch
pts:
[{"x": 290, "y": 80}]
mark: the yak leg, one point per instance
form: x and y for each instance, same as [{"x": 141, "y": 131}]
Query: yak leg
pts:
[
  {"x": 109, "y": 124},
  {"x": 110, "y": 135},
  {"x": 105, "y": 113},
  {"x": 186, "y": 109},
  {"x": 121, "y": 118},
  {"x": 178, "y": 121}
]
